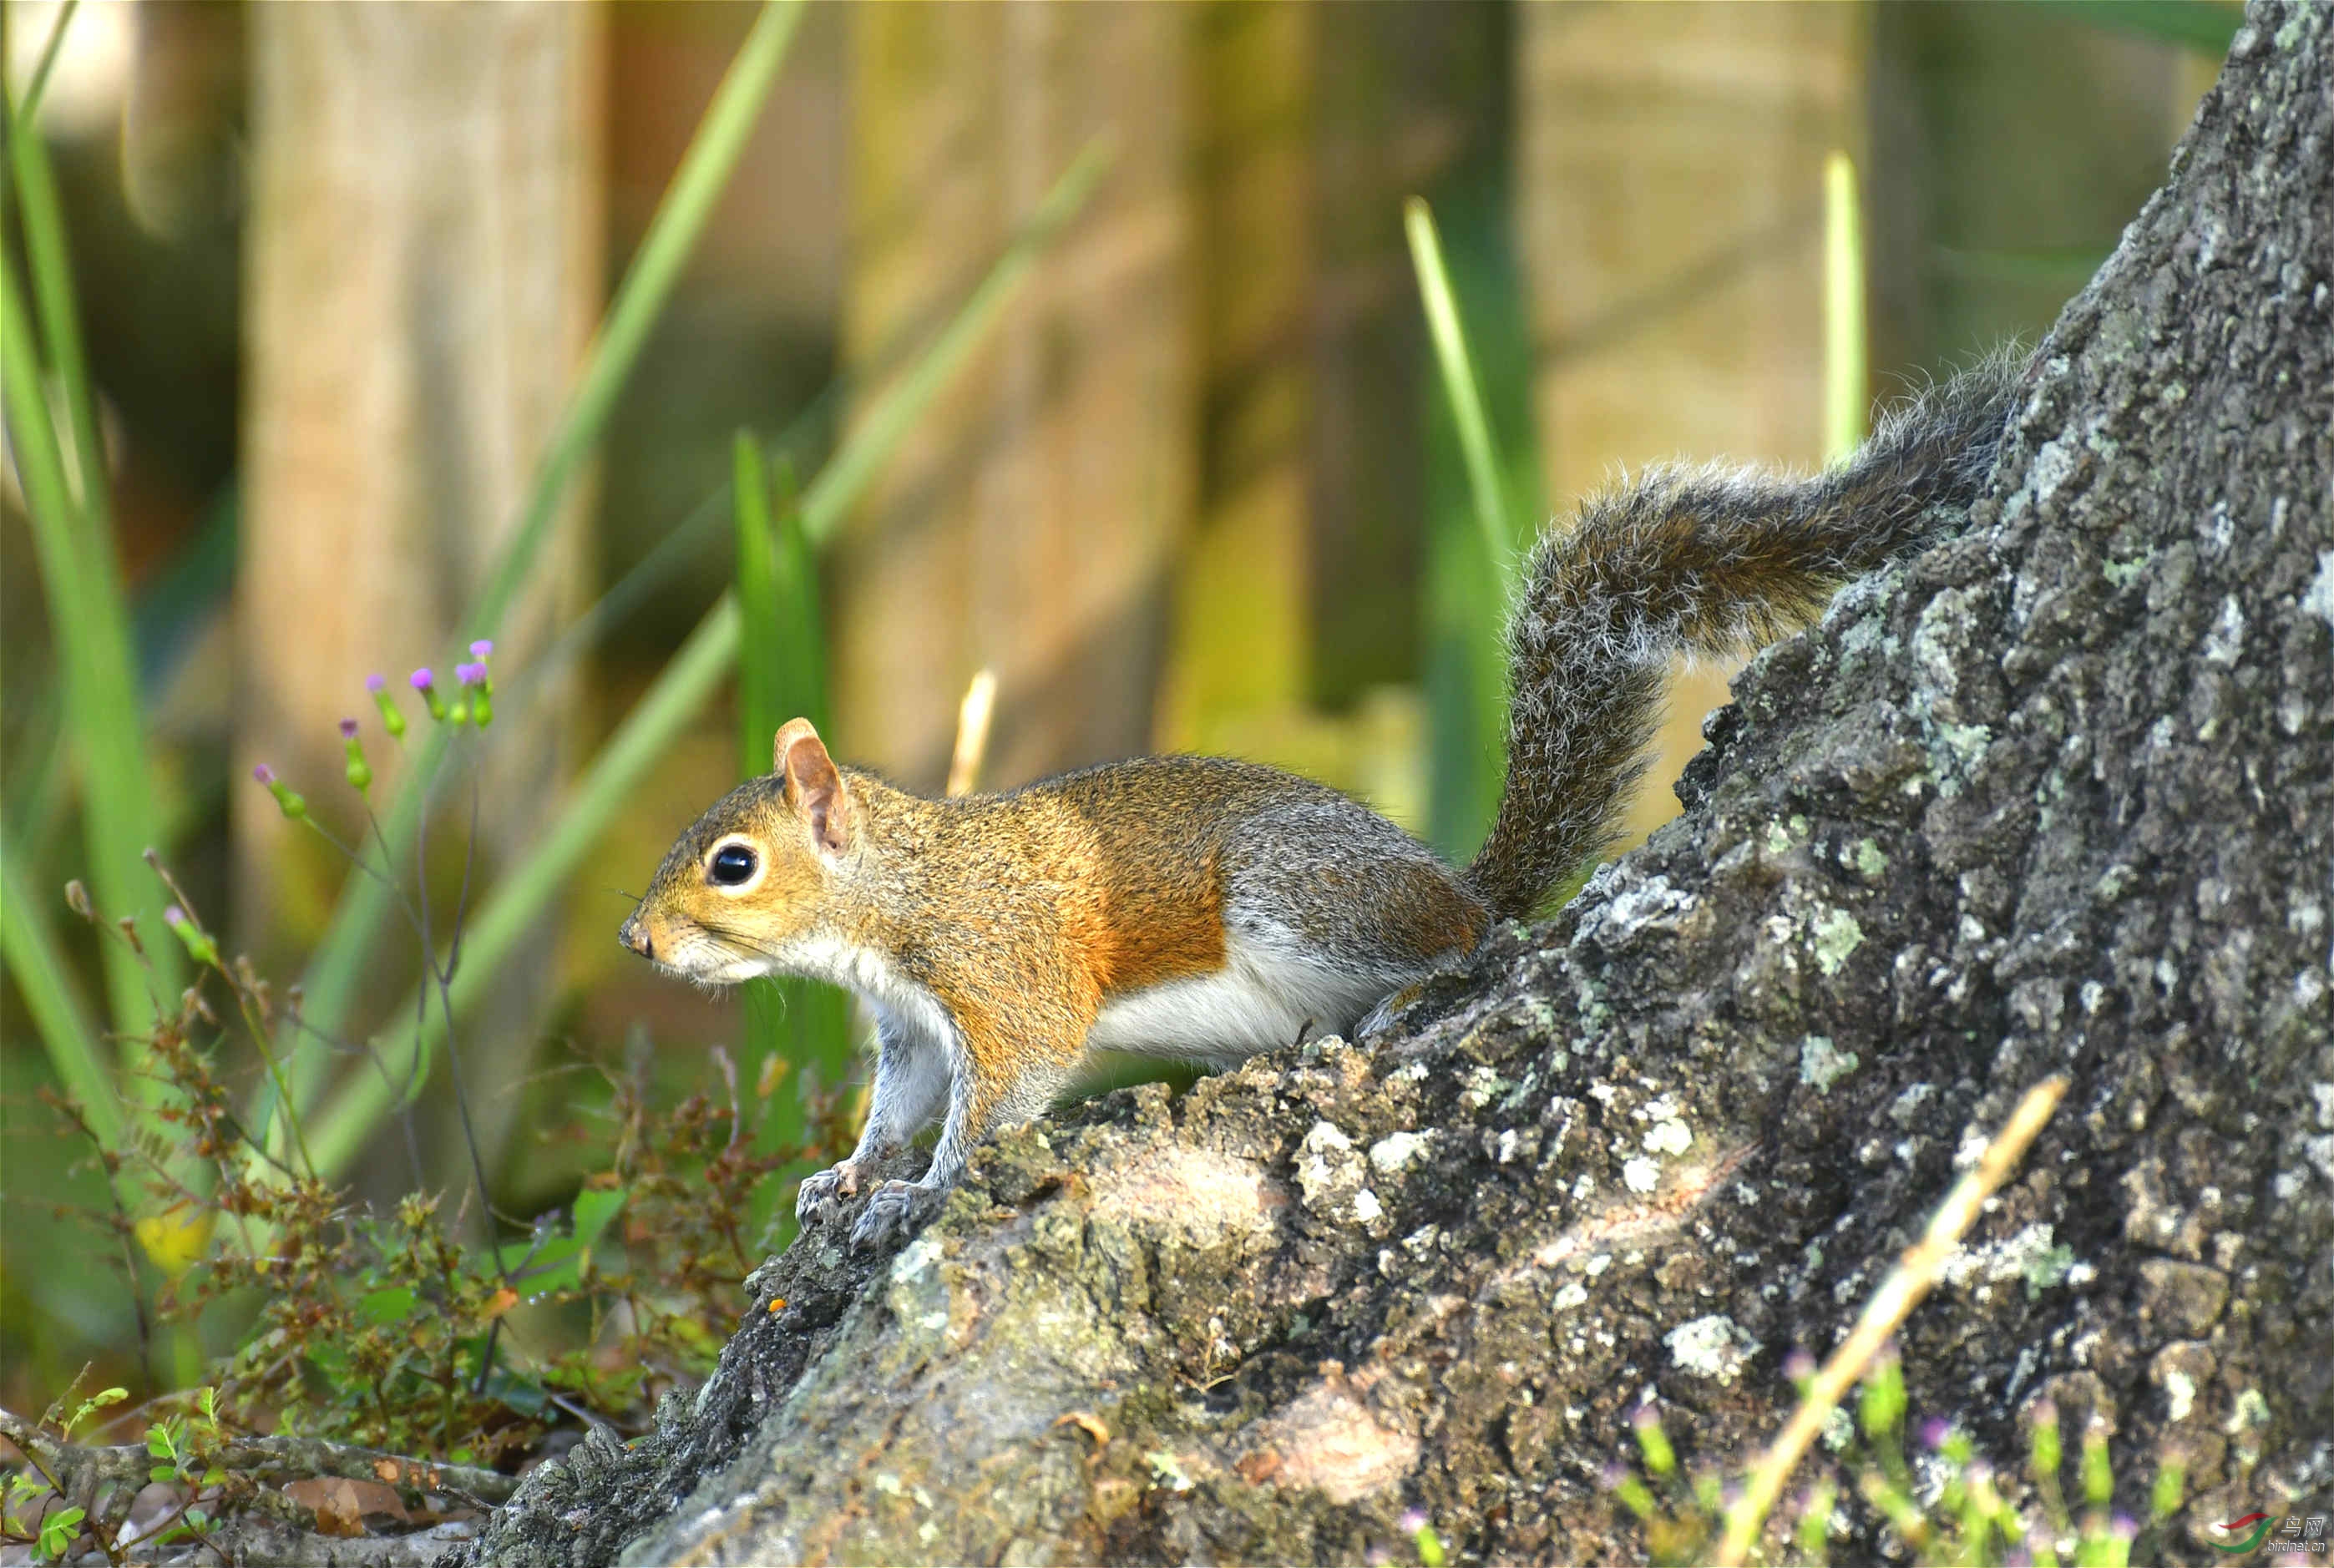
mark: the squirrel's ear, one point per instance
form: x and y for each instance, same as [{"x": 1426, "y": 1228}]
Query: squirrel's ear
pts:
[{"x": 814, "y": 788}]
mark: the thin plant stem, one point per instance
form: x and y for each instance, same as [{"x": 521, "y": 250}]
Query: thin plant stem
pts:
[
  {"x": 972, "y": 716},
  {"x": 1846, "y": 386},
  {"x": 1915, "y": 1273}
]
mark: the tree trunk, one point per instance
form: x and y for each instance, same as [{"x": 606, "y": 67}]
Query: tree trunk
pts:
[{"x": 2055, "y": 797}]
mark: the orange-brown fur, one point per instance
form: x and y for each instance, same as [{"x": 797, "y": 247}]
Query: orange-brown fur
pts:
[{"x": 1215, "y": 909}]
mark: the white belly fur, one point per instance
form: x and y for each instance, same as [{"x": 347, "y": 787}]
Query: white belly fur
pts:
[{"x": 1261, "y": 998}]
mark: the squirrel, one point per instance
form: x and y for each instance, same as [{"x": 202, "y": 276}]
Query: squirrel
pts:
[{"x": 1208, "y": 909}]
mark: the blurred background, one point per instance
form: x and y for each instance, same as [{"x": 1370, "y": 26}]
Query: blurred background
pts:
[{"x": 1087, "y": 337}]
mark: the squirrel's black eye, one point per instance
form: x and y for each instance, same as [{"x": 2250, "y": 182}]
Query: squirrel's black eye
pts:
[{"x": 732, "y": 865}]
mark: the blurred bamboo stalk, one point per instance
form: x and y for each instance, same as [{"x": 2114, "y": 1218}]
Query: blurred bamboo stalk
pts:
[
  {"x": 1669, "y": 203},
  {"x": 349, "y": 948},
  {"x": 1032, "y": 518},
  {"x": 424, "y": 272},
  {"x": 1239, "y": 662}
]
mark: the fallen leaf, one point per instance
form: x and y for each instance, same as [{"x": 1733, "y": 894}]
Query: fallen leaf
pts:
[{"x": 343, "y": 1506}]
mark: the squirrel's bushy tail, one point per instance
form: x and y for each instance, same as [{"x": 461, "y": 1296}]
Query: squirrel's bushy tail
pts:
[{"x": 1706, "y": 562}]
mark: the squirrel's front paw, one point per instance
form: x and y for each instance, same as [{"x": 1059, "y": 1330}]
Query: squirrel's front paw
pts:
[
  {"x": 897, "y": 1209},
  {"x": 822, "y": 1194}
]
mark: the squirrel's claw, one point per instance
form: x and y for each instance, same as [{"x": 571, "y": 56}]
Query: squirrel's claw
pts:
[
  {"x": 895, "y": 1211},
  {"x": 821, "y": 1194}
]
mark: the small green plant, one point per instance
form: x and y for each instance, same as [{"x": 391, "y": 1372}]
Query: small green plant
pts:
[
  {"x": 186, "y": 1454},
  {"x": 1947, "y": 1510},
  {"x": 184, "y": 1451},
  {"x": 24, "y": 1516},
  {"x": 383, "y": 1330}
]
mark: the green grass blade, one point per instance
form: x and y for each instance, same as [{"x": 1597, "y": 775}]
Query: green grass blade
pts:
[
  {"x": 800, "y": 688},
  {"x": 1847, "y": 399},
  {"x": 91, "y": 623},
  {"x": 759, "y": 638},
  {"x": 50, "y": 261},
  {"x": 760, "y": 633},
  {"x": 71, "y": 1036},
  {"x": 839, "y": 484},
  {"x": 818, "y": 1016},
  {"x": 27, "y": 116},
  {"x": 1460, "y": 384},
  {"x": 1464, "y": 673},
  {"x": 1473, "y": 523},
  {"x": 760, "y": 630},
  {"x": 365, "y": 905},
  {"x": 781, "y": 675},
  {"x": 681, "y": 688}
]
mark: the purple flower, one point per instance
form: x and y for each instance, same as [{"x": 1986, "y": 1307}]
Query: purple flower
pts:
[
  {"x": 1411, "y": 1522},
  {"x": 1798, "y": 1366},
  {"x": 293, "y": 805},
  {"x": 391, "y": 720},
  {"x": 358, "y": 771},
  {"x": 1933, "y": 1432},
  {"x": 199, "y": 948},
  {"x": 481, "y": 649},
  {"x": 471, "y": 674},
  {"x": 425, "y": 683}
]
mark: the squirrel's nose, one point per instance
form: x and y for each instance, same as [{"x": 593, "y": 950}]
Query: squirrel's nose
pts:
[{"x": 634, "y": 934}]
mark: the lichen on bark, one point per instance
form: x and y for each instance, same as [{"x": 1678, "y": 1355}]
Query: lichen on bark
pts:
[{"x": 2057, "y": 797}]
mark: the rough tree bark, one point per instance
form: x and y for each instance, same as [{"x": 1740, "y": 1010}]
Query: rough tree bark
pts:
[{"x": 2058, "y": 796}]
